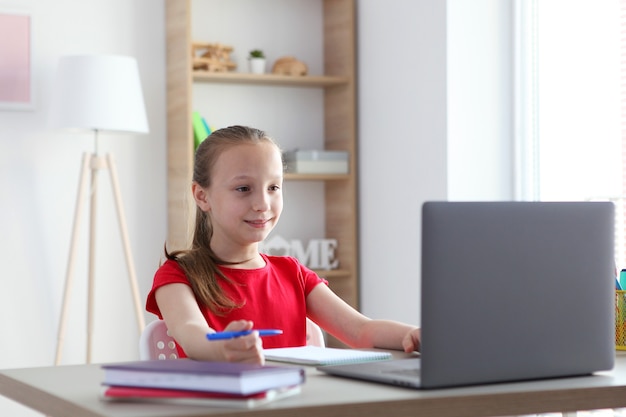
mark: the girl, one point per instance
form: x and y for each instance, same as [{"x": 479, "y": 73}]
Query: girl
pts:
[{"x": 223, "y": 283}]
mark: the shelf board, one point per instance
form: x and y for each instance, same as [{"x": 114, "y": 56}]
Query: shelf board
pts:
[
  {"x": 316, "y": 177},
  {"x": 268, "y": 79},
  {"x": 332, "y": 273}
]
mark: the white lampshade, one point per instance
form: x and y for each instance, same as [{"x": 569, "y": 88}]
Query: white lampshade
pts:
[{"x": 99, "y": 92}]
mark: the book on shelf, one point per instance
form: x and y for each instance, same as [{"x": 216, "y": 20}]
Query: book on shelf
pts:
[
  {"x": 319, "y": 356},
  {"x": 316, "y": 162},
  {"x": 317, "y": 167},
  {"x": 199, "y": 398},
  {"x": 207, "y": 128},
  {"x": 187, "y": 374},
  {"x": 200, "y": 129}
]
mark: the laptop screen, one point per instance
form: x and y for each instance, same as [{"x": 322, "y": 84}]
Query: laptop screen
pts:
[{"x": 516, "y": 290}]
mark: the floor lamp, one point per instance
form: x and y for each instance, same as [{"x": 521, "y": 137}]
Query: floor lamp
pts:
[{"x": 97, "y": 93}]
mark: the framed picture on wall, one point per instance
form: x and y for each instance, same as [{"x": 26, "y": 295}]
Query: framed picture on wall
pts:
[{"x": 16, "y": 78}]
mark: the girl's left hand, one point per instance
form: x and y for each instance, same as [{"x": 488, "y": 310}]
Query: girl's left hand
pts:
[{"x": 411, "y": 341}]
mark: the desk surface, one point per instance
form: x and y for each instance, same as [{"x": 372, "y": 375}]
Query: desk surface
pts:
[{"x": 73, "y": 391}]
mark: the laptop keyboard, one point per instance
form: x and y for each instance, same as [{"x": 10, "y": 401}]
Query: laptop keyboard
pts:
[
  {"x": 404, "y": 372},
  {"x": 403, "y": 368}
]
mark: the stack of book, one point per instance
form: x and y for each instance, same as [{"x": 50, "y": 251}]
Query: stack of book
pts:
[
  {"x": 184, "y": 381},
  {"x": 316, "y": 162}
]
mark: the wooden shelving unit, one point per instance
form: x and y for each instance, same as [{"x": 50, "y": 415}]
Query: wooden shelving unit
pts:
[{"x": 338, "y": 84}]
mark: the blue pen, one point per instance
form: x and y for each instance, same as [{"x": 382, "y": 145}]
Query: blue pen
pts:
[{"x": 232, "y": 335}]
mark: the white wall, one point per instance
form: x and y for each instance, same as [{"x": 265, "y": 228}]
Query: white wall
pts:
[
  {"x": 402, "y": 145},
  {"x": 480, "y": 100},
  {"x": 434, "y": 124},
  {"x": 39, "y": 170}
]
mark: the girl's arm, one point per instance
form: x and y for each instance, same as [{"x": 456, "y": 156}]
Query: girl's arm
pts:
[
  {"x": 188, "y": 327},
  {"x": 356, "y": 330}
]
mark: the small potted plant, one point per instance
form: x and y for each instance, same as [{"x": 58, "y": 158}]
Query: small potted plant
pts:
[{"x": 257, "y": 61}]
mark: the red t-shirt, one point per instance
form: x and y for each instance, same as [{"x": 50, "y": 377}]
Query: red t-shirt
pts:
[{"x": 274, "y": 297}]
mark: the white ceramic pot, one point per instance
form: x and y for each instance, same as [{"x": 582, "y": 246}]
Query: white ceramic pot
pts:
[{"x": 257, "y": 65}]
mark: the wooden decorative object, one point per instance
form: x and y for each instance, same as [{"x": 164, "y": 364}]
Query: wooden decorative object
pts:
[
  {"x": 212, "y": 57},
  {"x": 289, "y": 65}
]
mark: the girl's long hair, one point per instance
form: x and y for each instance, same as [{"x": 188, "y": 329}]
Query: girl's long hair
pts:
[{"x": 199, "y": 262}]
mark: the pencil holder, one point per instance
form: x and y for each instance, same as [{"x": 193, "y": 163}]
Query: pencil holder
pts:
[{"x": 620, "y": 320}]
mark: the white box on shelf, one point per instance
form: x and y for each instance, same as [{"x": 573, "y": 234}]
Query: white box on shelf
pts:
[{"x": 316, "y": 162}]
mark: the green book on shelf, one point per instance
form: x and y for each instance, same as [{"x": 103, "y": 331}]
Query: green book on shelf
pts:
[
  {"x": 199, "y": 129},
  {"x": 207, "y": 127}
]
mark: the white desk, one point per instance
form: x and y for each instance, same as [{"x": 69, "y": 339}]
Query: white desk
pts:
[{"x": 66, "y": 391}]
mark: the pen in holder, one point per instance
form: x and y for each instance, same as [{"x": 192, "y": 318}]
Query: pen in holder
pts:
[{"x": 620, "y": 319}]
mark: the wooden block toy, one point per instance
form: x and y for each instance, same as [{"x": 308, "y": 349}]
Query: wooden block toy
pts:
[
  {"x": 289, "y": 65},
  {"x": 212, "y": 57}
]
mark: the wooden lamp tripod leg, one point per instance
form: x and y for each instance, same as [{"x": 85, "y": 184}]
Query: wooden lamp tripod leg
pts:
[
  {"x": 93, "y": 163},
  {"x": 69, "y": 277},
  {"x": 127, "y": 251},
  {"x": 97, "y": 163}
]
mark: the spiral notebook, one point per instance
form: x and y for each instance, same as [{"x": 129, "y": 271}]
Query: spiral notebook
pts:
[{"x": 318, "y": 356}]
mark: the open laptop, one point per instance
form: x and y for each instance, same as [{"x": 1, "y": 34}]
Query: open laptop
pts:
[{"x": 510, "y": 291}]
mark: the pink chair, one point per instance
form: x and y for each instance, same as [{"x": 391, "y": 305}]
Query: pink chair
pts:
[
  {"x": 314, "y": 334},
  {"x": 156, "y": 343}
]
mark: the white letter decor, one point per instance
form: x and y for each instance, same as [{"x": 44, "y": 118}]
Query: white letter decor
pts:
[{"x": 319, "y": 253}]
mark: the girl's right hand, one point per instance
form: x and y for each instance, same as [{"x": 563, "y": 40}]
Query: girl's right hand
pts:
[{"x": 248, "y": 349}]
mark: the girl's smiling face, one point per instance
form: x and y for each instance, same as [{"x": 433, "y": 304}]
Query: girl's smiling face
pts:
[{"x": 244, "y": 199}]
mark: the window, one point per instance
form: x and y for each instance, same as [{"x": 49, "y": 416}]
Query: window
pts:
[{"x": 568, "y": 83}]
